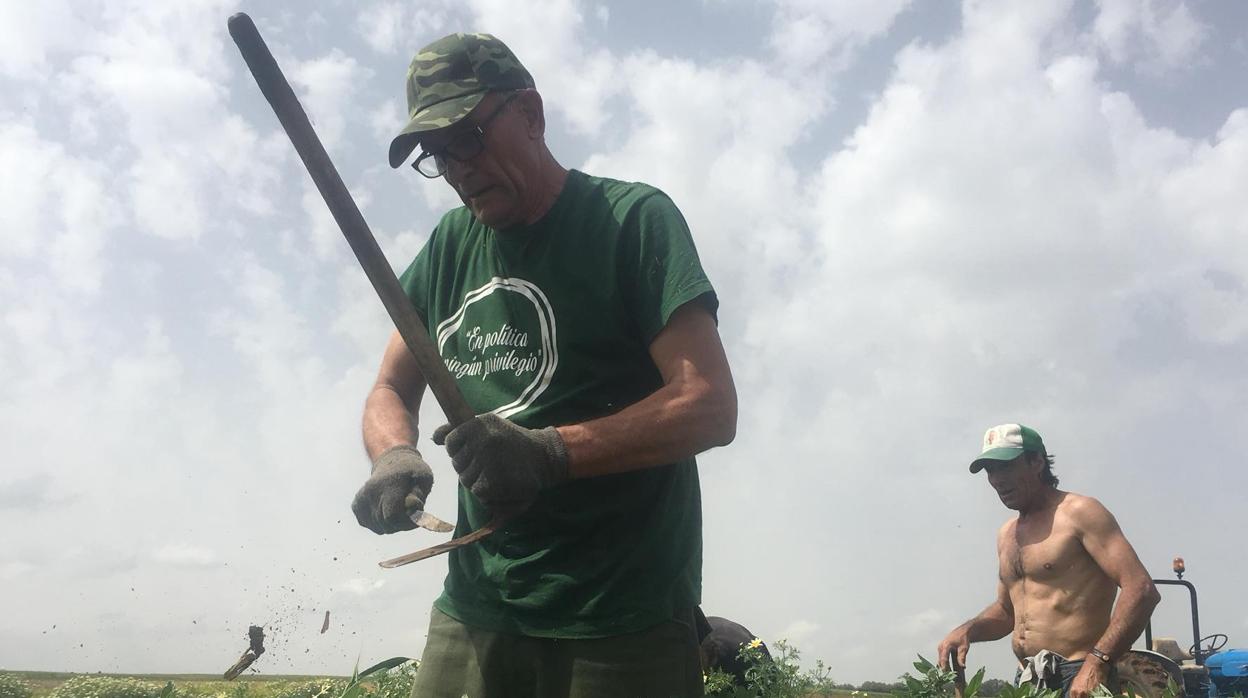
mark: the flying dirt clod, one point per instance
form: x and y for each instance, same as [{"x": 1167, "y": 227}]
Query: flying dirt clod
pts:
[{"x": 255, "y": 634}]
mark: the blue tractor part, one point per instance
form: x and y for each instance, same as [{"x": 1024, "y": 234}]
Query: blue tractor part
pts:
[
  {"x": 1228, "y": 670},
  {"x": 1208, "y": 671}
]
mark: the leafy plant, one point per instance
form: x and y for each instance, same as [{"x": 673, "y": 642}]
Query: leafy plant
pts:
[
  {"x": 934, "y": 682},
  {"x": 779, "y": 676},
  {"x": 108, "y": 687},
  {"x": 880, "y": 687},
  {"x": 393, "y": 681},
  {"x": 718, "y": 683},
  {"x": 1029, "y": 690},
  {"x": 316, "y": 688},
  {"x": 387, "y": 682},
  {"x": 991, "y": 688},
  {"x": 13, "y": 687}
]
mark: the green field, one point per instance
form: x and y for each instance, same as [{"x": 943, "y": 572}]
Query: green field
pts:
[
  {"x": 246, "y": 686},
  {"x": 381, "y": 683}
]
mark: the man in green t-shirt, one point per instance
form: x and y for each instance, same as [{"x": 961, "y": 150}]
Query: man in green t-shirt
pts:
[{"x": 577, "y": 320}]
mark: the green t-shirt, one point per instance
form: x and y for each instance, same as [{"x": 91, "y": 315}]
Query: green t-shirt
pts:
[{"x": 550, "y": 324}]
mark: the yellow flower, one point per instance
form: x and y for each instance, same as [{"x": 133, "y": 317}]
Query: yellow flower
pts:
[{"x": 755, "y": 643}]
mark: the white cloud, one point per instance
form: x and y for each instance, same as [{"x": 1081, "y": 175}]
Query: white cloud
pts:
[
  {"x": 185, "y": 555},
  {"x": 823, "y": 36},
  {"x": 141, "y": 379},
  {"x": 327, "y": 87},
  {"x": 924, "y": 622},
  {"x": 30, "y": 31},
  {"x": 54, "y": 205},
  {"x": 799, "y": 632},
  {"x": 386, "y": 120},
  {"x": 363, "y": 587},
  {"x": 1163, "y": 34},
  {"x": 548, "y": 38},
  {"x": 167, "y": 195},
  {"x": 392, "y": 27},
  {"x": 15, "y": 568},
  {"x": 29, "y": 492}
]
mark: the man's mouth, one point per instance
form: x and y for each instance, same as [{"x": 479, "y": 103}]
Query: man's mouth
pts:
[{"x": 477, "y": 194}]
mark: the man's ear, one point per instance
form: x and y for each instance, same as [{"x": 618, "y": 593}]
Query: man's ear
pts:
[
  {"x": 1035, "y": 461},
  {"x": 534, "y": 113}
]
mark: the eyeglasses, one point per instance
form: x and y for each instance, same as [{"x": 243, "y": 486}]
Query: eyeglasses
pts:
[{"x": 462, "y": 148}]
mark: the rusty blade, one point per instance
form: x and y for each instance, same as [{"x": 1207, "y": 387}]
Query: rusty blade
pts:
[
  {"x": 497, "y": 522},
  {"x": 429, "y": 522}
]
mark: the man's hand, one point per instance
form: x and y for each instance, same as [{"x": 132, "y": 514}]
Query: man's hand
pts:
[
  {"x": 1093, "y": 673},
  {"x": 958, "y": 640},
  {"x": 504, "y": 465},
  {"x": 399, "y": 485}
]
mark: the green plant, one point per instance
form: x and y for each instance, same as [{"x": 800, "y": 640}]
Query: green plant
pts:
[
  {"x": 777, "y": 677},
  {"x": 934, "y": 682},
  {"x": 718, "y": 683},
  {"x": 316, "y": 688},
  {"x": 389, "y": 675},
  {"x": 109, "y": 687},
  {"x": 392, "y": 681},
  {"x": 991, "y": 688},
  {"x": 1029, "y": 690},
  {"x": 13, "y": 687},
  {"x": 880, "y": 687}
]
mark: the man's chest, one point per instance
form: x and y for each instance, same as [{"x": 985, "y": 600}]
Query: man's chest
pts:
[
  {"x": 1040, "y": 555},
  {"x": 517, "y": 338}
]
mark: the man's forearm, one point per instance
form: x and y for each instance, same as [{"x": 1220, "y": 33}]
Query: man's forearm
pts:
[
  {"x": 1131, "y": 613},
  {"x": 992, "y": 623},
  {"x": 388, "y": 422},
  {"x": 679, "y": 420}
]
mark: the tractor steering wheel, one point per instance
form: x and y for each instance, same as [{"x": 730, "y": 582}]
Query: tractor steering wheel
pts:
[{"x": 1216, "y": 642}]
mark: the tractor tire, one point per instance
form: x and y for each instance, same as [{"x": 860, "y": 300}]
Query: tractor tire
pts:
[{"x": 1148, "y": 674}]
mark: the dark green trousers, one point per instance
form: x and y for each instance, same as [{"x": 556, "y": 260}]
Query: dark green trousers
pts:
[{"x": 458, "y": 661}]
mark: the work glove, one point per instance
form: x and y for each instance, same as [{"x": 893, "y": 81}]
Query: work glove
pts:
[
  {"x": 398, "y": 487},
  {"x": 503, "y": 464}
]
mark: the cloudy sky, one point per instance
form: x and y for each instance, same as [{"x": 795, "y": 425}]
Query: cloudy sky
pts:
[{"x": 923, "y": 219}]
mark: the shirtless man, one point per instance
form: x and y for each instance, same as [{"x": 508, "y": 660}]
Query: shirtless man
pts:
[{"x": 1061, "y": 562}]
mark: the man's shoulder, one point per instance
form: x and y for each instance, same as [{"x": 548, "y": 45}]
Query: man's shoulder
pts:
[
  {"x": 619, "y": 192},
  {"x": 1007, "y": 528},
  {"x": 1076, "y": 504},
  {"x": 1084, "y": 512}
]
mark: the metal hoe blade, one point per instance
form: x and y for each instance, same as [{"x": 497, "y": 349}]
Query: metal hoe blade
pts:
[
  {"x": 429, "y": 522},
  {"x": 496, "y": 523}
]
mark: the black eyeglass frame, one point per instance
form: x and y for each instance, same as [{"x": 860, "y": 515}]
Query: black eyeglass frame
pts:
[{"x": 471, "y": 143}]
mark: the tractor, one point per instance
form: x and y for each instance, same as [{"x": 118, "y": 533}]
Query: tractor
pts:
[{"x": 1203, "y": 670}]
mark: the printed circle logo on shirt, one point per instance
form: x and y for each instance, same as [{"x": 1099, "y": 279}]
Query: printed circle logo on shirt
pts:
[{"x": 503, "y": 335}]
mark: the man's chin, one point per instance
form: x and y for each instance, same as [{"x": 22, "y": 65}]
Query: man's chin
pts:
[{"x": 491, "y": 216}]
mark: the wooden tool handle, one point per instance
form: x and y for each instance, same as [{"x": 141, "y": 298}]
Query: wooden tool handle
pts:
[{"x": 295, "y": 121}]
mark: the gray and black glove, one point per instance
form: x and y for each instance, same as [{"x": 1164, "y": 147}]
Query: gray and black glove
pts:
[
  {"x": 503, "y": 464},
  {"x": 399, "y": 485}
]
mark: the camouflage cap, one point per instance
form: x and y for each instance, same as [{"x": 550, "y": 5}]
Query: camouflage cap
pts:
[{"x": 448, "y": 78}]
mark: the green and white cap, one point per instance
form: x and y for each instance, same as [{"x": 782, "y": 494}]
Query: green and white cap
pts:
[{"x": 1007, "y": 442}]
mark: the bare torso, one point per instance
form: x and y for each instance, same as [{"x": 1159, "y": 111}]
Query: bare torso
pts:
[{"x": 1062, "y": 599}]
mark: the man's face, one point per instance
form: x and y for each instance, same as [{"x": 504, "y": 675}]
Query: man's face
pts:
[
  {"x": 499, "y": 184},
  {"x": 1016, "y": 481}
]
